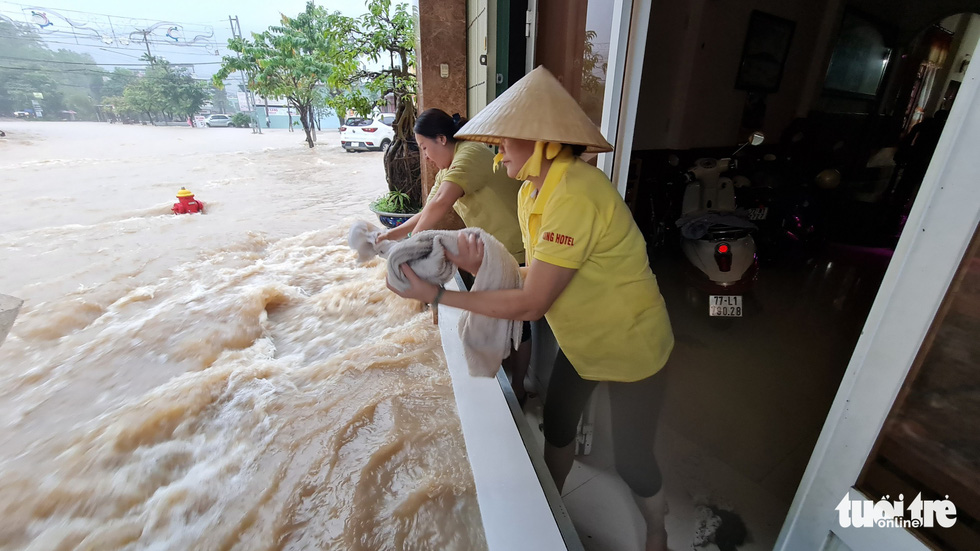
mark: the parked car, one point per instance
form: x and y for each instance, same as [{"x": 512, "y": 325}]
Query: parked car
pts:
[
  {"x": 368, "y": 133},
  {"x": 219, "y": 120}
]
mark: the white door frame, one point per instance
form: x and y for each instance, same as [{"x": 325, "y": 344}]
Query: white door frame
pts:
[
  {"x": 531, "y": 32},
  {"x": 629, "y": 32},
  {"x": 936, "y": 236},
  {"x": 628, "y": 38}
]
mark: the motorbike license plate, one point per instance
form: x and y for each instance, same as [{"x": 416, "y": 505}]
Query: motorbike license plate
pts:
[
  {"x": 728, "y": 306},
  {"x": 758, "y": 213}
]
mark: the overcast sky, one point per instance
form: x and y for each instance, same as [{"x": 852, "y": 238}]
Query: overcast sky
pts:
[{"x": 89, "y": 25}]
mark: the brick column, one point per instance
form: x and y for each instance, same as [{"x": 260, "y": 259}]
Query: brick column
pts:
[{"x": 442, "y": 40}]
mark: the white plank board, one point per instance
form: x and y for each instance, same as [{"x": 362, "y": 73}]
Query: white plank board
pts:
[{"x": 516, "y": 515}]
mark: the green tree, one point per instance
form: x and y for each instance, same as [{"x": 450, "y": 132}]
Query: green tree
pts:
[
  {"x": 165, "y": 89},
  {"x": 182, "y": 95},
  {"x": 118, "y": 106},
  {"x": 143, "y": 96},
  {"x": 219, "y": 100},
  {"x": 287, "y": 60},
  {"x": 385, "y": 37},
  {"x": 64, "y": 79},
  {"x": 116, "y": 81},
  {"x": 594, "y": 67}
]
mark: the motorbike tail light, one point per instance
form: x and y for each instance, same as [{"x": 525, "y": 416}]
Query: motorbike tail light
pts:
[
  {"x": 723, "y": 257},
  {"x": 369, "y": 130}
]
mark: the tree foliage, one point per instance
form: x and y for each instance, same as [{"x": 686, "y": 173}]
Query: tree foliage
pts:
[
  {"x": 384, "y": 37},
  {"x": 69, "y": 80},
  {"x": 594, "y": 67},
  {"x": 166, "y": 89},
  {"x": 290, "y": 60},
  {"x": 66, "y": 80}
]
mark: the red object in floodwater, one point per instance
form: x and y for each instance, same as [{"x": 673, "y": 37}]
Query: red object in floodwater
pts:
[{"x": 187, "y": 204}]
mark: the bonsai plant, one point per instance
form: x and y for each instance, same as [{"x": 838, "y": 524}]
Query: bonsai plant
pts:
[
  {"x": 394, "y": 208},
  {"x": 385, "y": 36}
]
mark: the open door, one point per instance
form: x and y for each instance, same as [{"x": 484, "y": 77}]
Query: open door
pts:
[
  {"x": 595, "y": 48},
  {"x": 886, "y": 434}
]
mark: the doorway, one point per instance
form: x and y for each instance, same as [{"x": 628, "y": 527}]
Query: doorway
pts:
[{"x": 754, "y": 393}]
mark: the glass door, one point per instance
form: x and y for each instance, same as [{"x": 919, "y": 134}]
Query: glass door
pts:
[
  {"x": 895, "y": 465},
  {"x": 595, "y": 49}
]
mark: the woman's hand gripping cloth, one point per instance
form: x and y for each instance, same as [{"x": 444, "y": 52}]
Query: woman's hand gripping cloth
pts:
[
  {"x": 486, "y": 341},
  {"x": 363, "y": 239}
]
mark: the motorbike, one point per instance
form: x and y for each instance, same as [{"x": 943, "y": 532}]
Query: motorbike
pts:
[
  {"x": 787, "y": 210},
  {"x": 716, "y": 235}
]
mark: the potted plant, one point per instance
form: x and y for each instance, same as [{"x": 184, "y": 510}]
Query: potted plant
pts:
[
  {"x": 394, "y": 208},
  {"x": 386, "y": 29}
]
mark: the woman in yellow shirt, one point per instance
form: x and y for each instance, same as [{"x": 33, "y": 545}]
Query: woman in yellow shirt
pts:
[
  {"x": 588, "y": 274},
  {"x": 466, "y": 183},
  {"x": 483, "y": 198}
]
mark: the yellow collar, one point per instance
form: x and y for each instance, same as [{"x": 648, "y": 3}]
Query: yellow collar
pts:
[
  {"x": 532, "y": 167},
  {"x": 555, "y": 174}
]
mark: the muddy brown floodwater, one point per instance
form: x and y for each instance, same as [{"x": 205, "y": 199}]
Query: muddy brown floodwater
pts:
[{"x": 227, "y": 381}]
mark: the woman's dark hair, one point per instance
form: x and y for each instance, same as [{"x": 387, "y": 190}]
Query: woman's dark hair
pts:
[{"x": 436, "y": 122}]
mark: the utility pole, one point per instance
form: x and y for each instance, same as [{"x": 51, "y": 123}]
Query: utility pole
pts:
[
  {"x": 236, "y": 32},
  {"x": 146, "y": 42}
]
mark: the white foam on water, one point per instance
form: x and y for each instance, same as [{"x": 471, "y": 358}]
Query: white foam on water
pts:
[{"x": 233, "y": 380}]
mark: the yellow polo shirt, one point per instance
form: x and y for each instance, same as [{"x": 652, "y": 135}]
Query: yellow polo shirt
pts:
[
  {"x": 490, "y": 198},
  {"x": 611, "y": 320}
]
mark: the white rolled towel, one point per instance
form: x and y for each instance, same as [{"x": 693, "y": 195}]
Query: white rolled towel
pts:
[
  {"x": 486, "y": 340},
  {"x": 363, "y": 239}
]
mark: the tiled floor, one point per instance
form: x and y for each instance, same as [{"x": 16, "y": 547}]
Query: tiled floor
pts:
[
  {"x": 690, "y": 477},
  {"x": 744, "y": 406}
]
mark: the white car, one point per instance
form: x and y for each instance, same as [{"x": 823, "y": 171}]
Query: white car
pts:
[
  {"x": 219, "y": 120},
  {"x": 368, "y": 133}
]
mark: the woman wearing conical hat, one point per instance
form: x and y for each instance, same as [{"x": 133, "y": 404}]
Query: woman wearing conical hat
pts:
[
  {"x": 483, "y": 198},
  {"x": 587, "y": 273}
]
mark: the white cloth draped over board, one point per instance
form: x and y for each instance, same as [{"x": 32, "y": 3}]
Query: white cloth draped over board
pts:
[{"x": 486, "y": 340}]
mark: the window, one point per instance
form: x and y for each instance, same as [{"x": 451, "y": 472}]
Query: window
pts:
[{"x": 358, "y": 121}]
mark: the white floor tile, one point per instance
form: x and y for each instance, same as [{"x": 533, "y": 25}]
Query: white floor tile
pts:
[{"x": 606, "y": 517}]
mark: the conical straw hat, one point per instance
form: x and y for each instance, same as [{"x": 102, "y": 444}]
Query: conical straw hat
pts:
[{"x": 536, "y": 108}]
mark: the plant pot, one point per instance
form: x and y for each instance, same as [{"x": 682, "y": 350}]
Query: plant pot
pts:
[{"x": 391, "y": 219}]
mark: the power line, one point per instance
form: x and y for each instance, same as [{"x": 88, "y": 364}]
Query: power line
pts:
[
  {"x": 236, "y": 32},
  {"x": 104, "y": 46},
  {"x": 86, "y": 63},
  {"x": 24, "y": 7},
  {"x": 92, "y": 72},
  {"x": 120, "y": 48},
  {"x": 92, "y": 29}
]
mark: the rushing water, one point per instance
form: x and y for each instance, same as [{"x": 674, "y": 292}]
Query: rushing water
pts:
[{"x": 227, "y": 381}]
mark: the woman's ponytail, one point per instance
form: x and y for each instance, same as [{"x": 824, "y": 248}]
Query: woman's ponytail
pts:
[{"x": 436, "y": 122}]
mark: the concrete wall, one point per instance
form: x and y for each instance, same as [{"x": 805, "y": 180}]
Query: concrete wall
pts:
[
  {"x": 910, "y": 17},
  {"x": 281, "y": 120},
  {"x": 688, "y": 97},
  {"x": 967, "y": 29},
  {"x": 561, "y": 41}
]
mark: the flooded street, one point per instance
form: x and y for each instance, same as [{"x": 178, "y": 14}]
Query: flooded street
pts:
[{"x": 227, "y": 381}]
